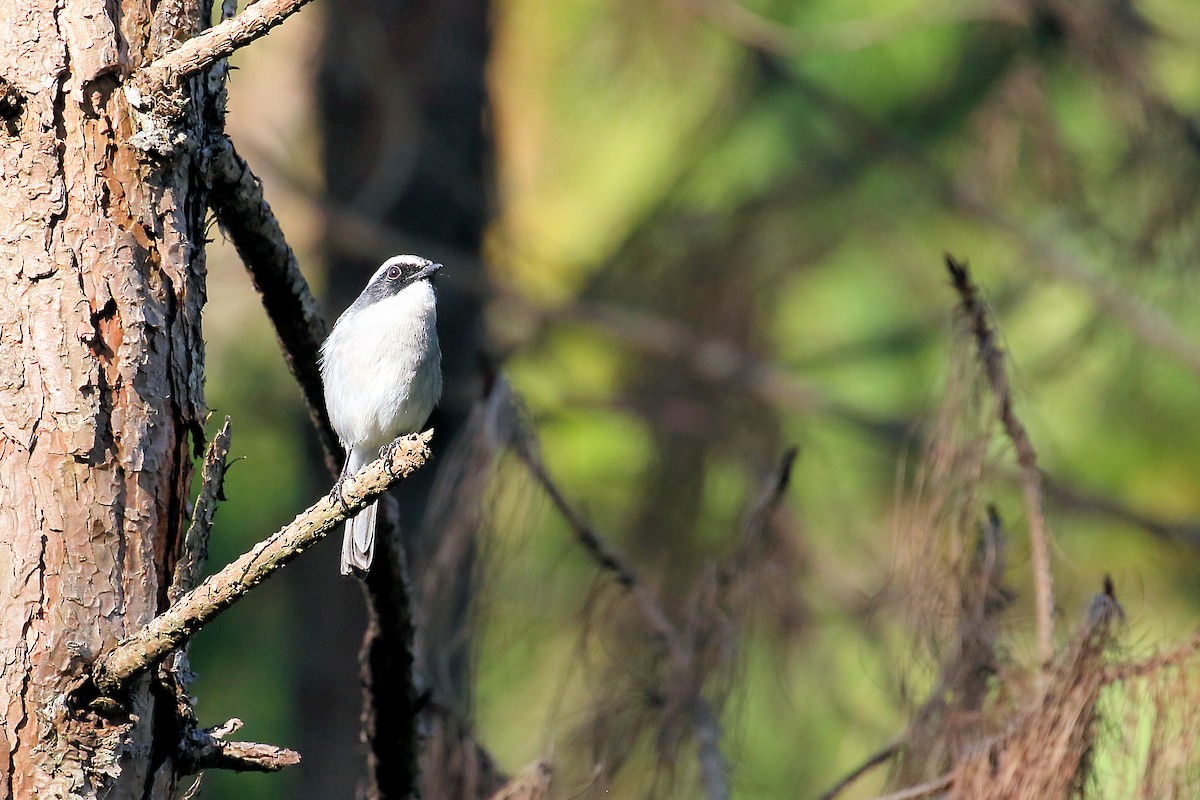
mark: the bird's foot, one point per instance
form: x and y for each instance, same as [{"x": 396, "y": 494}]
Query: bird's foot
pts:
[
  {"x": 388, "y": 450},
  {"x": 338, "y": 493}
]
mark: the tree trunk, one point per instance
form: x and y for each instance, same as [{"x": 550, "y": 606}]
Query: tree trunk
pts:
[{"x": 101, "y": 384}]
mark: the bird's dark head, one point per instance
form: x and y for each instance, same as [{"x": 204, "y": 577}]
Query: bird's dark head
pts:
[{"x": 395, "y": 275}]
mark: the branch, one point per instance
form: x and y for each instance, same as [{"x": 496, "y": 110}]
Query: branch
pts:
[
  {"x": 389, "y": 717},
  {"x": 201, "y": 52},
  {"x": 194, "y": 610},
  {"x": 992, "y": 358},
  {"x": 195, "y": 541},
  {"x": 207, "y": 749},
  {"x": 242, "y": 211}
]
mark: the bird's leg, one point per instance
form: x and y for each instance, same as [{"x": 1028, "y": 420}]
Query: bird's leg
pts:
[{"x": 336, "y": 491}]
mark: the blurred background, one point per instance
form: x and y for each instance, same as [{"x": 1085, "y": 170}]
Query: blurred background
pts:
[{"x": 690, "y": 235}]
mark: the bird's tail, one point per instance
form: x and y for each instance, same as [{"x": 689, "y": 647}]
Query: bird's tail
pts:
[{"x": 358, "y": 542}]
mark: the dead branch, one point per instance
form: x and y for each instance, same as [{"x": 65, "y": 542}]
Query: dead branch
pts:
[
  {"x": 992, "y": 359},
  {"x": 207, "y": 749},
  {"x": 246, "y": 218},
  {"x": 218, "y": 592},
  {"x": 201, "y": 52},
  {"x": 195, "y": 541}
]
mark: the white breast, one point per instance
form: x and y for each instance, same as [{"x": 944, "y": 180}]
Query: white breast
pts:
[{"x": 386, "y": 374}]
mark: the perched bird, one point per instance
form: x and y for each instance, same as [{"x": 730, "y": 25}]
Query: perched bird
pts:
[{"x": 382, "y": 371}]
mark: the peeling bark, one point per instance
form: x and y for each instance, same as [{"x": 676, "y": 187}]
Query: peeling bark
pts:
[{"x": 101, "y": 384}]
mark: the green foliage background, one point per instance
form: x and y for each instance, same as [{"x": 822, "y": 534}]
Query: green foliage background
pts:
[{"x": 774, "y": 185}]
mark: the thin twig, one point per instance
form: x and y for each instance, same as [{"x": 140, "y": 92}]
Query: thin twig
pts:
[
  {"x": 201, "y": 52},
  {"x": 243, "y": 213},
  {"x": 992, "y": 358},
  {"x": 531, "y": 783},
  {"x": 874, "y": 760},
  {"x": 195, "y": 541},
  {"x": 194, "y": 610}
]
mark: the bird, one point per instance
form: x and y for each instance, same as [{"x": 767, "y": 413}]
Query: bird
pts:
[{"x": 381, "y": 368}]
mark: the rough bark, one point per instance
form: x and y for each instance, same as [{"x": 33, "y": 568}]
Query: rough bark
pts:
[{"x": 101, "y": 376}]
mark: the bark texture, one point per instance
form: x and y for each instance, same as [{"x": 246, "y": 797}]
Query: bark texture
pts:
[{"x": 101, "y": 381}]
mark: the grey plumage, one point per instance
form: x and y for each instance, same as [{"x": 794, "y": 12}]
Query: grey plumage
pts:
[{"x": 381, "y": 367}]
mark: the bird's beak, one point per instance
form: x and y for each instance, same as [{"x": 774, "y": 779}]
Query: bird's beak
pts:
[{"x": 427, "y": 272}]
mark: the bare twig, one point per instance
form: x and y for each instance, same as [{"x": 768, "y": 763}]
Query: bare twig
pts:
[
  {"x": 874, "y": 760},
  {"x": 207, "y": 749},
  {"x": 201, "y": 52},
  {"x": 243, "y": 213},
  {"x": 195, "y": 541},
  {"x": 219, "y": 591},
  {"x": 992, "y": 359}
]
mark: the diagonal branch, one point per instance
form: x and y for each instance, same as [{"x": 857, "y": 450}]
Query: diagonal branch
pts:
[
  {"x": 201, "y": 52},
  {"x": 218, "y": 592},
  {"x": 992, "y": 359},
  {"x": 242, "y": 211}
]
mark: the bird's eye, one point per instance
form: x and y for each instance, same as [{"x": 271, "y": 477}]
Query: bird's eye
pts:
[{"x": 393, "y": 273}]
